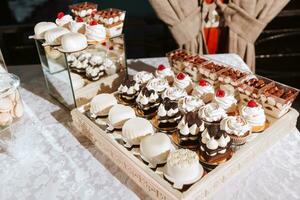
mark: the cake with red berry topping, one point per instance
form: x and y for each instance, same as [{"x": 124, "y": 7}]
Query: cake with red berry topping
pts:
[
  {"x": 95, "y": 32},
  {"x": 254, "y": 114},
  {"x": 83, "y": 10},
  {"x": 63, "y": 20},
  {"x": 184, "y": 82},
  {"x": 77, "y": 26},
  {"x": 112, "y": 19},
  {"x": 164, "y": 72},
  {"x": 225, "y": 99},
  {"x": 204, "y": 90}
]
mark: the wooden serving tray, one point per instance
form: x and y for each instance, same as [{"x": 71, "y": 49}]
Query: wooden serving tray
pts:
[{"x": 154, "y": 184}]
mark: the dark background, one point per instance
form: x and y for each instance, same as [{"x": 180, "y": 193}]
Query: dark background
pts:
[{"x": 278, "y": 49}]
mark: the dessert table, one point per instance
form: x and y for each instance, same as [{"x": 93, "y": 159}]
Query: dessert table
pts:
[{"x": 44, "y": 157}]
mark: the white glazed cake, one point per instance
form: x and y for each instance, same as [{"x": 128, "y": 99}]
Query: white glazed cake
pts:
[
  {"x": 119, "y": 114},
  {"x": 102, "y": 103},
  {"x": 155, "y": 148},
  {"x": 71, "y": 42},
  {"x": 135, "y": 129},
  {"x": 183, "y": 166},
  {"x": 53, "y": 36},
  {"x": 41, "y": 27}
]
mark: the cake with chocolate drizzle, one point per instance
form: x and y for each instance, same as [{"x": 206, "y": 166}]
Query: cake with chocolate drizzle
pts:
[
  {"x": 148, "y": 101},
  {"x": 189, "y": 129},
  {"x": 168, "y": 115},
  {"x": 128, "y": 91}
]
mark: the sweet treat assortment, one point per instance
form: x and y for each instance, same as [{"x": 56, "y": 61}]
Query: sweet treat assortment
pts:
[{"x": 274, "y": 98}]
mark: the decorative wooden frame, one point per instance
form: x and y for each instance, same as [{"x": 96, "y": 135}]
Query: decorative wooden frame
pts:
[{"x": 154, "y": 185}]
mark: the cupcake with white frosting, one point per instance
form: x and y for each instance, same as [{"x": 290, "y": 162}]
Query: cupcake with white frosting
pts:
[
  {"x": 254, "y": 114},
  {"x": 157, "y": 84},
  {"x": 164, "y": 72},
  {"x": 204, "y": 90},
  {"x": 63, "y": 20},
  {"x": 189, "y": 104},
  {"x": 143, "y": 77},
  {"x": 95, "y": 32},
  {"x": 128, "y": 91},
  {"x": 237, "y": 128},
  {"x": 212, "y": 113},
  {"x": 173, "y": 93},
  {"x": 184, "y": 82},
  {"x": 77, "y": 26},
  {"x": 225, "y": 99},
  {"x": 148, "y": 101}
]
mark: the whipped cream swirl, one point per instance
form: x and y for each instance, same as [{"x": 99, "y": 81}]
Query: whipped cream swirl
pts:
[
  {"x": 226, "y": 101},
  {"x": 235, "y": 125},
  {"x": 75, "y": 27},
  {"x": 199, "y": 90},
  {"x": 189, "y": 103},
  {"x": 255, "y": 116},
  {"x": 63, "y": 20},
  {"x": 174, "y": 93},
  {"x": 143, "y": 77},
  {"x": 183, "y": 83},
  {"x": 95, "y": 32},
  {"x": 212, "y": 112},
  {"x": 158, "y": 85},
  {"x": 164, "y": 73}
]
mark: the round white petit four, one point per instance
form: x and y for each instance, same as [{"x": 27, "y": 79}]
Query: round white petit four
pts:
[
  {"x": 183, "y": 167},
  {"x": 135, "y": 129},
  {"x": 155, "y": 148},
  {"x": 102, "y": 103},
  {"x": 53, "y": 36},
  {"x": 73, "y": 42},
  {"x": 119, "y": 114},
  {"x": 41, "y": 27}
]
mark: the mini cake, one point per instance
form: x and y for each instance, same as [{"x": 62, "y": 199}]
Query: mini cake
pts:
[
  {"x": 143, "y": 77},
  {"x": 184, "y": 82},
  {"x": 253, "y": 88},
  {"x": 77, "y": 26},
  {"x": 41, "y": 27},
  {"x": 211, "y": 70},
  {"x": 118, "y": 115},
  {"x": 83, "y": 10},
  {"x": 63, "y": 20},
  {"x": 214, "y": 145},
  {"x": 226, "y": 100},
  {"x": 78, "y": 62},
  {"x": 212, "y": 113},
  {"x": 95, "y": 70},
  {"x": 164, "y": 72},
  {"x": 189, "y": 104},
  {"x": 72, "y": 42},
  {"x": 128, "y": 91},
  {"x": 101, "y": 104},
  {"x": 204, "y": 90},
  {"x": 173, "y": 93},
  {"x": 237, "y": 128},
  {"x": 112, "y": 19},
  {"x": 183, "y": 167},
  {"x": 189, "y": 129},
  {"x": 232, "y": 76},
  {"x": 155, "y": 148},
  {"x": 168, "y": 115},
  {"x": 254, "y": 114},
  {"x": 176, "y": 59},
  {"x": 135, "y": 129},
  {"x": 148, "y": 101},
  {"x": 53, "y": 36},
  {"x": 95, "y": 32},
  {"x": 77, "y": 81},
  {"x": 278, "y": 99},
  {"x": 192, "y": 69},
  {"x": 157, "y": 84}
]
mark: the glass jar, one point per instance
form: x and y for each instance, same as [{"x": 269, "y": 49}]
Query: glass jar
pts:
[{"x": 11, "y": 106}]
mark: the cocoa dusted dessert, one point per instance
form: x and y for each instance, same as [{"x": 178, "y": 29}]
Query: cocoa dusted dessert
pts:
[
  {"x": 83, "y": 10},
  {"x": 176, "y": 59},
  {"x": 193, "y": 65},
  {"x": 112, "y": 19},
  {"x": 278, "y": 99},
  {"x": 253, "y": 87},
  {"x": 232, "y": 76},
  {"x": 128, "y": 91},
  {"x": 211, "y": 70},
  {"x": 148, "y": 101},
  {"x": 189, "y": 130},
  {"x": 168, "y": 115}
]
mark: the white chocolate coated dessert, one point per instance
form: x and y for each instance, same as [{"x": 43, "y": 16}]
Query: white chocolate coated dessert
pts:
[
  {"x": 53, "y": 36},
  {"x": 119, "y": 114},
  {"x": 102, "y": 103},
  {"x": 71, "y": 42},
  {"x": 41, "y": 27}
]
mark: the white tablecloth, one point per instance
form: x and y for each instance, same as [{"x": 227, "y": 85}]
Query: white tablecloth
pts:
[{"x": 43, "y": 160}]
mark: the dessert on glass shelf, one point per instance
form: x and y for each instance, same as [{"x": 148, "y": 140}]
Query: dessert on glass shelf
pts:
[
  {"x": 204, "y": 90},
  {"x": 79, "y": 62},
  {"x": 77, "y": 26},
  {"x": 232, "y": 76},
  {"x": 83, "y": 10},
  {"x": 253, "y": 88},
  {"x": 189, "y": 130},
  {"x": 128, "y": 91},
  {"x": 237, "y": 128},
  {"x": 112, "y": 19},
  {"x": 254, "y": 114},
  {"x": 53, "y": 36},
  {"x": 173, "y": 93},
  {"x": 95, "y": 69},
  {"x": 158, "y": 84},
  {"x": 95, "y": 32},
  {"x": 134, "y": 130},
  {"x": 184, "y": 82},
  {"x": 41, "y": 28},
  {"x": 183, "y": 168},
  {"x": 143, "y": 77},
  {"x": 225, "y": 99},
  {"x": 164, "y": 72},
  {"x": 211, "y": 70},
  {"x": 63, "y": 20},
  {"x": 189, "y": 103},
  {"x": 101, "y": 104},
  {"x": 176, "y": 59},
  {"x": 118, "y": 115},
  {"x": 278, "y": 99},
  {"x": 155, "y": 149},
  {"x": 147, "y": 101},
  {"x": 168, "y": 115}
]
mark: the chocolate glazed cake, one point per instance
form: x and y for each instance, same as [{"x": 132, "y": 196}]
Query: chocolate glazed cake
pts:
[
  {"x": 189, "y": 130},
  {"x": 148, "y": 101},
  {"x": 215, "y": 144},
  {"x": 168, "y": 115}
]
